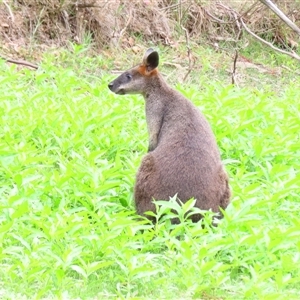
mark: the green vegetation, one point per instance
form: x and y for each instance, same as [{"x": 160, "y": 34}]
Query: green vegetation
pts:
[{"x": 69, "y": 150}]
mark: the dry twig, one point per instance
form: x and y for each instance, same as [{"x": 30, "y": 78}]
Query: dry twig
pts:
[
  {"x": 173, "y": 6},
  {"x": 125, "y": 27},
  {"x": 281, "y": 15},
  {"x": 10, "y": 12},
  {"x": 188, "y": 52},
  {"x": 240, "y": 19},
  {"x": 20, "y": 62},
  {"x": 233, "y": 77},
  {"x": 291, "y": 54},
  {"x": 289, "y": 69},
  {"x": 215, "y": 19}
]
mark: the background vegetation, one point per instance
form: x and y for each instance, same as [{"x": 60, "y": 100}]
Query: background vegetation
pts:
[
  {"x": 69, "y": 151},
  {"x": 28, "y": 25}
]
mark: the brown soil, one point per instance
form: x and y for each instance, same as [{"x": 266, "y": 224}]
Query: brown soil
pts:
[{"x": 125, "y": 23}]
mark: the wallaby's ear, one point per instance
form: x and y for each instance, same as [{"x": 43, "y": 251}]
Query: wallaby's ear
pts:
[{"x": 151, "y": 59}]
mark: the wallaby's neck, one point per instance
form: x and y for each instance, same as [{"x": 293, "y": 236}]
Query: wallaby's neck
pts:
[{"x": 157, "y": 86}]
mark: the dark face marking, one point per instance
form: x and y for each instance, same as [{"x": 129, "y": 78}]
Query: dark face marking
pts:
[{"x": 123, "y": 79}]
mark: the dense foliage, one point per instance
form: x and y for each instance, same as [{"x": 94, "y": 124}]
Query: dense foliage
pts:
[{"x": 69, "y": 150}]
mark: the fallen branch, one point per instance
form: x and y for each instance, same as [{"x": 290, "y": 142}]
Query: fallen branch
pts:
[
  {"x": 281, "y": 15},
  {"x": 239, "y": 18},
  {"x": 20, "y": 62},
  {"x": 291, "y": 54}
]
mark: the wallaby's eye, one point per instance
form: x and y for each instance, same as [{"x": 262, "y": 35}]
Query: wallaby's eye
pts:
[{"x": 128, "y": 76}]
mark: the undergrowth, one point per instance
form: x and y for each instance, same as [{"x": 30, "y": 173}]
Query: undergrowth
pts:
[{"x": 69, "y": 150}]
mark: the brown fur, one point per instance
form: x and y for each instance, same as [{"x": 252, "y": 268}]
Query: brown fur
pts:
[
  {"x": 143, "y": 71},
  {"x": 183, "y": 156}
]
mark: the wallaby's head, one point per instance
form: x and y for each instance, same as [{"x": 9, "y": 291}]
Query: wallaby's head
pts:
[{"x": 137, "y": 79}]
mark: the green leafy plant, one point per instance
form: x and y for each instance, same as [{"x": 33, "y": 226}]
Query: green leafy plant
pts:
[{"x": 69, "y": 151}]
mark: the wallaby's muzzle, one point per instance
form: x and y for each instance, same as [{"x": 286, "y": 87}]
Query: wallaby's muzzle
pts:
[
  {"x": 111, "y": 86},
  {"x": 114, "y": 86}
]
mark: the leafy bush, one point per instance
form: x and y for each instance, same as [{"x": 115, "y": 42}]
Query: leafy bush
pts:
[{"x": 69, "y": 153}]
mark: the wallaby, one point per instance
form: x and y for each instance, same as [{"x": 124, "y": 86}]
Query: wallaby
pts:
[{"x": 183, "y": 157}]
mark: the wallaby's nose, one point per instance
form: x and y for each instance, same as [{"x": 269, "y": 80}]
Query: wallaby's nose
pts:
[{"x": 110, "y": 86}]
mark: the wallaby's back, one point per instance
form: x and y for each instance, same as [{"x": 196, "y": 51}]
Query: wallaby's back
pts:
[{"x": 183, "y": 156}]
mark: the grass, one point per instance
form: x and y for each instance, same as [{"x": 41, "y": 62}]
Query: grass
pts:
[{"x": 69, "y": 153}]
